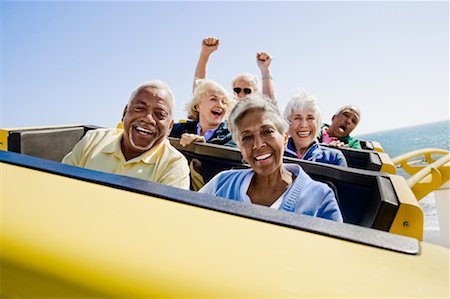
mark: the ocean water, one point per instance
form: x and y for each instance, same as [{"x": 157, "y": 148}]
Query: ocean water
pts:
[
  {"x": 400, "y": 141},
  {"x": 403, "y": 140}
]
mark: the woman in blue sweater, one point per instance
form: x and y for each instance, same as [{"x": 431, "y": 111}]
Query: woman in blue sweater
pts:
[
  {"x": 303, "y": 116},
  {"x": 260, "y": 132}
]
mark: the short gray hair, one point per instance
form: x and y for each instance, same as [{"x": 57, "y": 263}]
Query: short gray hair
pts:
[
  {"x": 353, "y": 108},
  {"x": 303, "y": 100},
  {"x": 202, "y": 87},
  {"x": 251, "y": 103},
  {"x": 251, "y": 79},
  {"x": 163, "y": 92}
]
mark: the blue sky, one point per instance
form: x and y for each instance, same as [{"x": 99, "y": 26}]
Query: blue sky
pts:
[{"x": 78, "y": 62}]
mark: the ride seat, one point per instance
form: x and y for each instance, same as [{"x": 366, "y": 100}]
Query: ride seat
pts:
[{"x": 51, "y": 143}]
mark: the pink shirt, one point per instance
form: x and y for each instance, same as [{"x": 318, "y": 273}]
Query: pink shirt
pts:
[{"x": 325, "y": 137}]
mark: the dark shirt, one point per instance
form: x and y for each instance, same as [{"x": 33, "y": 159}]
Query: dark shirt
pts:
[{"x": 221, "y": 135}]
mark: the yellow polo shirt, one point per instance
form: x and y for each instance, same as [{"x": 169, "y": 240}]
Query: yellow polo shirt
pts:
[{"x": 100, "y": 150}]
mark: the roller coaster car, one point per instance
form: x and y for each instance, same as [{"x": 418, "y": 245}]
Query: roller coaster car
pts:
[
  {"x": 367, "y": 198},
  {"x": 74, "y": 232}
]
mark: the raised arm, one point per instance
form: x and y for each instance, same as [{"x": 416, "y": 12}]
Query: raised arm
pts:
[
  {"x": 263, "y": 60},
  {"x": 209, "y": 45}
]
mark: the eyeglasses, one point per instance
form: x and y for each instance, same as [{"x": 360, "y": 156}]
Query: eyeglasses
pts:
[{"x": 246, "y": 90}]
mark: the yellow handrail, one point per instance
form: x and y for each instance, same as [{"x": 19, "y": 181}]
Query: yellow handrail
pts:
[
  {"x": 430, "y": 177},
  {"x": 404, "y": 160}
]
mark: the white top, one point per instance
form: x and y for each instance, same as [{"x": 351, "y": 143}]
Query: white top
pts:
[{"x": 246, "y": 184}]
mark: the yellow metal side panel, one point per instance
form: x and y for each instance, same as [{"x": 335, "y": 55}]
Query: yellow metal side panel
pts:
[
  {"x": 19, "y": 282},
  {"x": 129, "y": 245},
  {"x": 4, "y": 140},
  {"x": 387, "y": 164},
  {"x": 409, "y": 218}
]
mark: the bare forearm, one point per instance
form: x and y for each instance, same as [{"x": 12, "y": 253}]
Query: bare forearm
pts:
[
  {"x": 263, "y": 59},
  {"x": 267, "y": 84},
  {"x": 209, "y": 45},
  {"x": 200, "y": 71}
]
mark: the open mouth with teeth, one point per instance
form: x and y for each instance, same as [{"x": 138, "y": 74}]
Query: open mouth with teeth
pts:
[
  {"x": 217, "y": 113},
  {"x": 144, "y": 131},
  {"x": 142, "y": 137},
  {"x": 263, "y": 157},
  {"x": 303, "y": 134}
]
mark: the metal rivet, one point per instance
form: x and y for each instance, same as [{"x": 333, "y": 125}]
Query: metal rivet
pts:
[{"x": 406, "y": 224}]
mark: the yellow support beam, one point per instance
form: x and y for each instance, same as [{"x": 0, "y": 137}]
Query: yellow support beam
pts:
[{"x": 430, "y": 177}]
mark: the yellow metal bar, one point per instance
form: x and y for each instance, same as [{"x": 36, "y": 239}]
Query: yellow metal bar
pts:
[
  {"x": 404, "y": 160},
  {"x": 430, "y": 177},
  {"x": 4, "y": 139}
]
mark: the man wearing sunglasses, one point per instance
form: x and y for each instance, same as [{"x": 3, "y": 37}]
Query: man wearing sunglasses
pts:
[{"x": 243, "y": 84}]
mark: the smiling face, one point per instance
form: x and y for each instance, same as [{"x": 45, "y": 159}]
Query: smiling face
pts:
[
  {"x": 303, "y": 128},
  {"x": 261, "y": 144},
  {"x": 212, "y": 109},
  {"x": 343, "y": 123},
  {"x": 147, "y": 120}
]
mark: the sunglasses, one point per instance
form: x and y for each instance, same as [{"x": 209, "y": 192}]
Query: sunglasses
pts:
[{"x": 246, "y": 90}]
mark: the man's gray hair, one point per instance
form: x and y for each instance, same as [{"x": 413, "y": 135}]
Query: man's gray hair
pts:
[
  {"x": 251, "y": 103},
  {"x": 251, "y": 79},
  {"x": 353, "y": 108},
  {"x": 163, "y": 92},
  {"x": 303, "y": 100}
]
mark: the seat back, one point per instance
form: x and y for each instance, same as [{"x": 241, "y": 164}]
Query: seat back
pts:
[
  {"x": 361, "y": 159},
  {"x": 51, "y": 143},
  {"x": 365, "y": 197}
]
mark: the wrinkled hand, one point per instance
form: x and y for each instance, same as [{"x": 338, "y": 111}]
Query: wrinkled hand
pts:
[
  {"x": 263, "y": 60},
  {"x": 209, "y": 45},
  {"x": 188, "y": 138},
  {"x": 337, "y": 143}
]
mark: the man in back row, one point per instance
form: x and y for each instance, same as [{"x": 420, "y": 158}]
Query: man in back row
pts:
[
  {"x": 343, "y": 122},
  {"x": 141, "y": 149}
]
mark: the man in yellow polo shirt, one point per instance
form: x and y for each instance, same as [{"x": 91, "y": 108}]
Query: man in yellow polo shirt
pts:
[{"x": 141, "y": 149}]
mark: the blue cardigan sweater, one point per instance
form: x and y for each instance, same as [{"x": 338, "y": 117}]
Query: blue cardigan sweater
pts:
[
  {"x": 317, "y": 153},
  {"x": 304, "y": 196}
]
